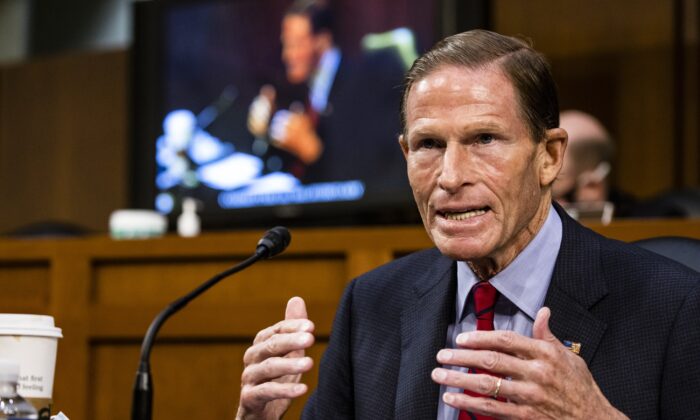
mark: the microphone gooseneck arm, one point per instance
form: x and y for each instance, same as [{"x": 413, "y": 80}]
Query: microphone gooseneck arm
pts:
[{"x": 274, "y": 242}]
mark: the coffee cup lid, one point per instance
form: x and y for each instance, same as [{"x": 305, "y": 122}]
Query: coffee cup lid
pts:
[{"x": 24, "y": 324}]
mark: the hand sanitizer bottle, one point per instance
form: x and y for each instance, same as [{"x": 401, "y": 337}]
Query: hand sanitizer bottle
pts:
[
  {"x": 12, "y": 405},
  {"x": 188, "y": 223}
]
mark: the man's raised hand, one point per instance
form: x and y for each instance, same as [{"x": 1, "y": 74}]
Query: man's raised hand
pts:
[
  {"x": 274, "y": 364},
  {"x": 544, "y": 380}
]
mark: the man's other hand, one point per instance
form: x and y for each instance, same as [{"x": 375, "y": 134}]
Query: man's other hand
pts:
[
  {"x": 274, "y": 364},
  {"x": 541, "y": 377},
  {"x": 260, "y": 111},
  {"x": 295, "y": 133}
]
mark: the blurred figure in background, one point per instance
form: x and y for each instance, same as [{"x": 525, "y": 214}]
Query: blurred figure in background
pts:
[
  {"x": 583, "y": 183},
  {"x": 346, "y": 108},
  {"x": 310, "y": 56}
]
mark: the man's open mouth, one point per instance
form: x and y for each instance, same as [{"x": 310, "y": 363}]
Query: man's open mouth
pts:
[{"x": 463, "y": 215}]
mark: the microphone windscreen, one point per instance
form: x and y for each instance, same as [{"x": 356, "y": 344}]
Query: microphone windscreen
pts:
[{"x": 274, "y": 241}]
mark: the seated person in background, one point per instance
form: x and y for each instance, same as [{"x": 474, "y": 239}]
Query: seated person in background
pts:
[
  {"x": 584, "y": 178},
  {"x": 341, "y": 126},
  {"x": 520, "y": 312}
]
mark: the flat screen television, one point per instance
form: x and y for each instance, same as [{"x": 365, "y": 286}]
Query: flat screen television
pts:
[{"x": 219, "y": 114}]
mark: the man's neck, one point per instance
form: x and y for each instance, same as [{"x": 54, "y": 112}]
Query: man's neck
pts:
[{"x": 487, "y": 267}]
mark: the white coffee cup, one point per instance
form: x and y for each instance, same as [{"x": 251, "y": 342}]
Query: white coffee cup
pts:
[{"x": 32, "y": 341}]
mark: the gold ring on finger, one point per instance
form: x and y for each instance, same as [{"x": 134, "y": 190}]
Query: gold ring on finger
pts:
[{"x": 498, "y": 387}]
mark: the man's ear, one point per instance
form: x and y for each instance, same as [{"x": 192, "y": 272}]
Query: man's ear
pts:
[
  {"x": 554, "y": 146},
  {"x": 404, "y": 145}
]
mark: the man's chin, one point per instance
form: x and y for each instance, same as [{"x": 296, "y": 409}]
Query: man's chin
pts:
[
  {"x": 297, "y": 77},
  {"x": 463, "y": 249}
]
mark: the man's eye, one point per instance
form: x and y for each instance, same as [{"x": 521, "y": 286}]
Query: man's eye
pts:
[
  {"x": 485, "y": 138},
  {"x": 427, "y": 144}
]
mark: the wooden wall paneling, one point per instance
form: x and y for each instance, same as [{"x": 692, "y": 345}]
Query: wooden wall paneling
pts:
[
  {"x": 694, "y": 62},
  {"x": 112, "y": 371},
  {"x": 62, "y": 118},
  {"x": 93, "y": 136},
  {"x": 344, "y": 239},
  {"x": 645, "y": 155},
  {"x": 634, "y": 230},
  {"x": 574, "y": 28},
  {"x": 24, "y": 287},
  {"x": 679, "y": 91},
  {"x": 3, "y": 106},
  {"x": 359, "y": 259},
  {"x": 70, "y": 281},
  {"x": 691, "y": 137},
  {"x": 691, "y": 130},
  {"x": 25, "y": 276},
  {"x": 158, "y": 283},
  {"x": 28, "y": 150}
]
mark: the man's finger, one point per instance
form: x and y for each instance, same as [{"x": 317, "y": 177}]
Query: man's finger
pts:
[
  {"x": 485, "y": 360},
  {"x": 254, "y": 398},
  {"x": 296, "y": 309},
  {"x": 477, "y": 382},
  {"x": 512, "y": 390},
  {"x": 274, "y": 368},
  {"x": 278, "y": 345},
  {"x": 540, "y": 330},
  {"x": 285, "y": 327},
  {"x": 278, "y": 125},
  {"x": 269, "y": 92},
  {"x": 501, "y": 341}
]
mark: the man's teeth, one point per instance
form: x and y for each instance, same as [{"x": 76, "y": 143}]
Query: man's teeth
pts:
[{"x": 464, "y": 215}]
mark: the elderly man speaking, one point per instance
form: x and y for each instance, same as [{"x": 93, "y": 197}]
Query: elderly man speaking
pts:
[{"x": 520, "y": 312}]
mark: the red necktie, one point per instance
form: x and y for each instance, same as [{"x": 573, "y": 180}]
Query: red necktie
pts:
[
  {"x": 484, "y": 295},
  {"x": 312, "y": 113}
]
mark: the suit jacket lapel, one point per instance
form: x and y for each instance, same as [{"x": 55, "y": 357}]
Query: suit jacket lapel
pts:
[
  {"x": 423, "y": 333},
  {"x": 577, "y": 284}
]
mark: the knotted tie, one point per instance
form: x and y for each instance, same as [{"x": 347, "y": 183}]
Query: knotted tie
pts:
[{"x": 484, "y": 295}]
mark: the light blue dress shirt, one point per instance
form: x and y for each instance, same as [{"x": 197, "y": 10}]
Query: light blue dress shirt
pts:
[
  {"x": 522, "y": 286},
  {"x": 322, "y": 80}
]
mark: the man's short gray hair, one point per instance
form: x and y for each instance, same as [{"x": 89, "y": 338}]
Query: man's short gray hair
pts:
[{"x": 527, "y": 70}]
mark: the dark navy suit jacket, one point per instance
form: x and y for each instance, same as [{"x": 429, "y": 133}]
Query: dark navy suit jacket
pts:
[
  {"x": 360, "y": 126},
  {"x": 636, "y": 315}
]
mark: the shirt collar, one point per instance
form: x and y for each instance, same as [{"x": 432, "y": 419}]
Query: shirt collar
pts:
[
  {"x": 322, "y": 80},
  {"x": 526, "y": 279}
]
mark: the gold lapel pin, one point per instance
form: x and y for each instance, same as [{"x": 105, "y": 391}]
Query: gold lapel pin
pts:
[{"x": 573, "y": 346}]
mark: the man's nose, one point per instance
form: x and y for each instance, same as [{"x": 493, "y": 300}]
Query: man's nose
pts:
[{"x": 455, "y": 171}]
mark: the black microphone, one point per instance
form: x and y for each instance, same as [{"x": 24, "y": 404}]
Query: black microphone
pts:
[
  {"x": 275, "y": 241},
  {"x": 272, "y": 243}
]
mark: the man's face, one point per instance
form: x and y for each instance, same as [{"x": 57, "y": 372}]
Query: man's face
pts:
[
  {"x": 298, "y": 48},
  {"x": 478, "y": 178}
]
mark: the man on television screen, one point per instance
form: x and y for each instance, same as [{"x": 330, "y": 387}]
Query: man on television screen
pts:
[
  {"x": 330, "y": 117},
  {"x": 519, "y": 312}
]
